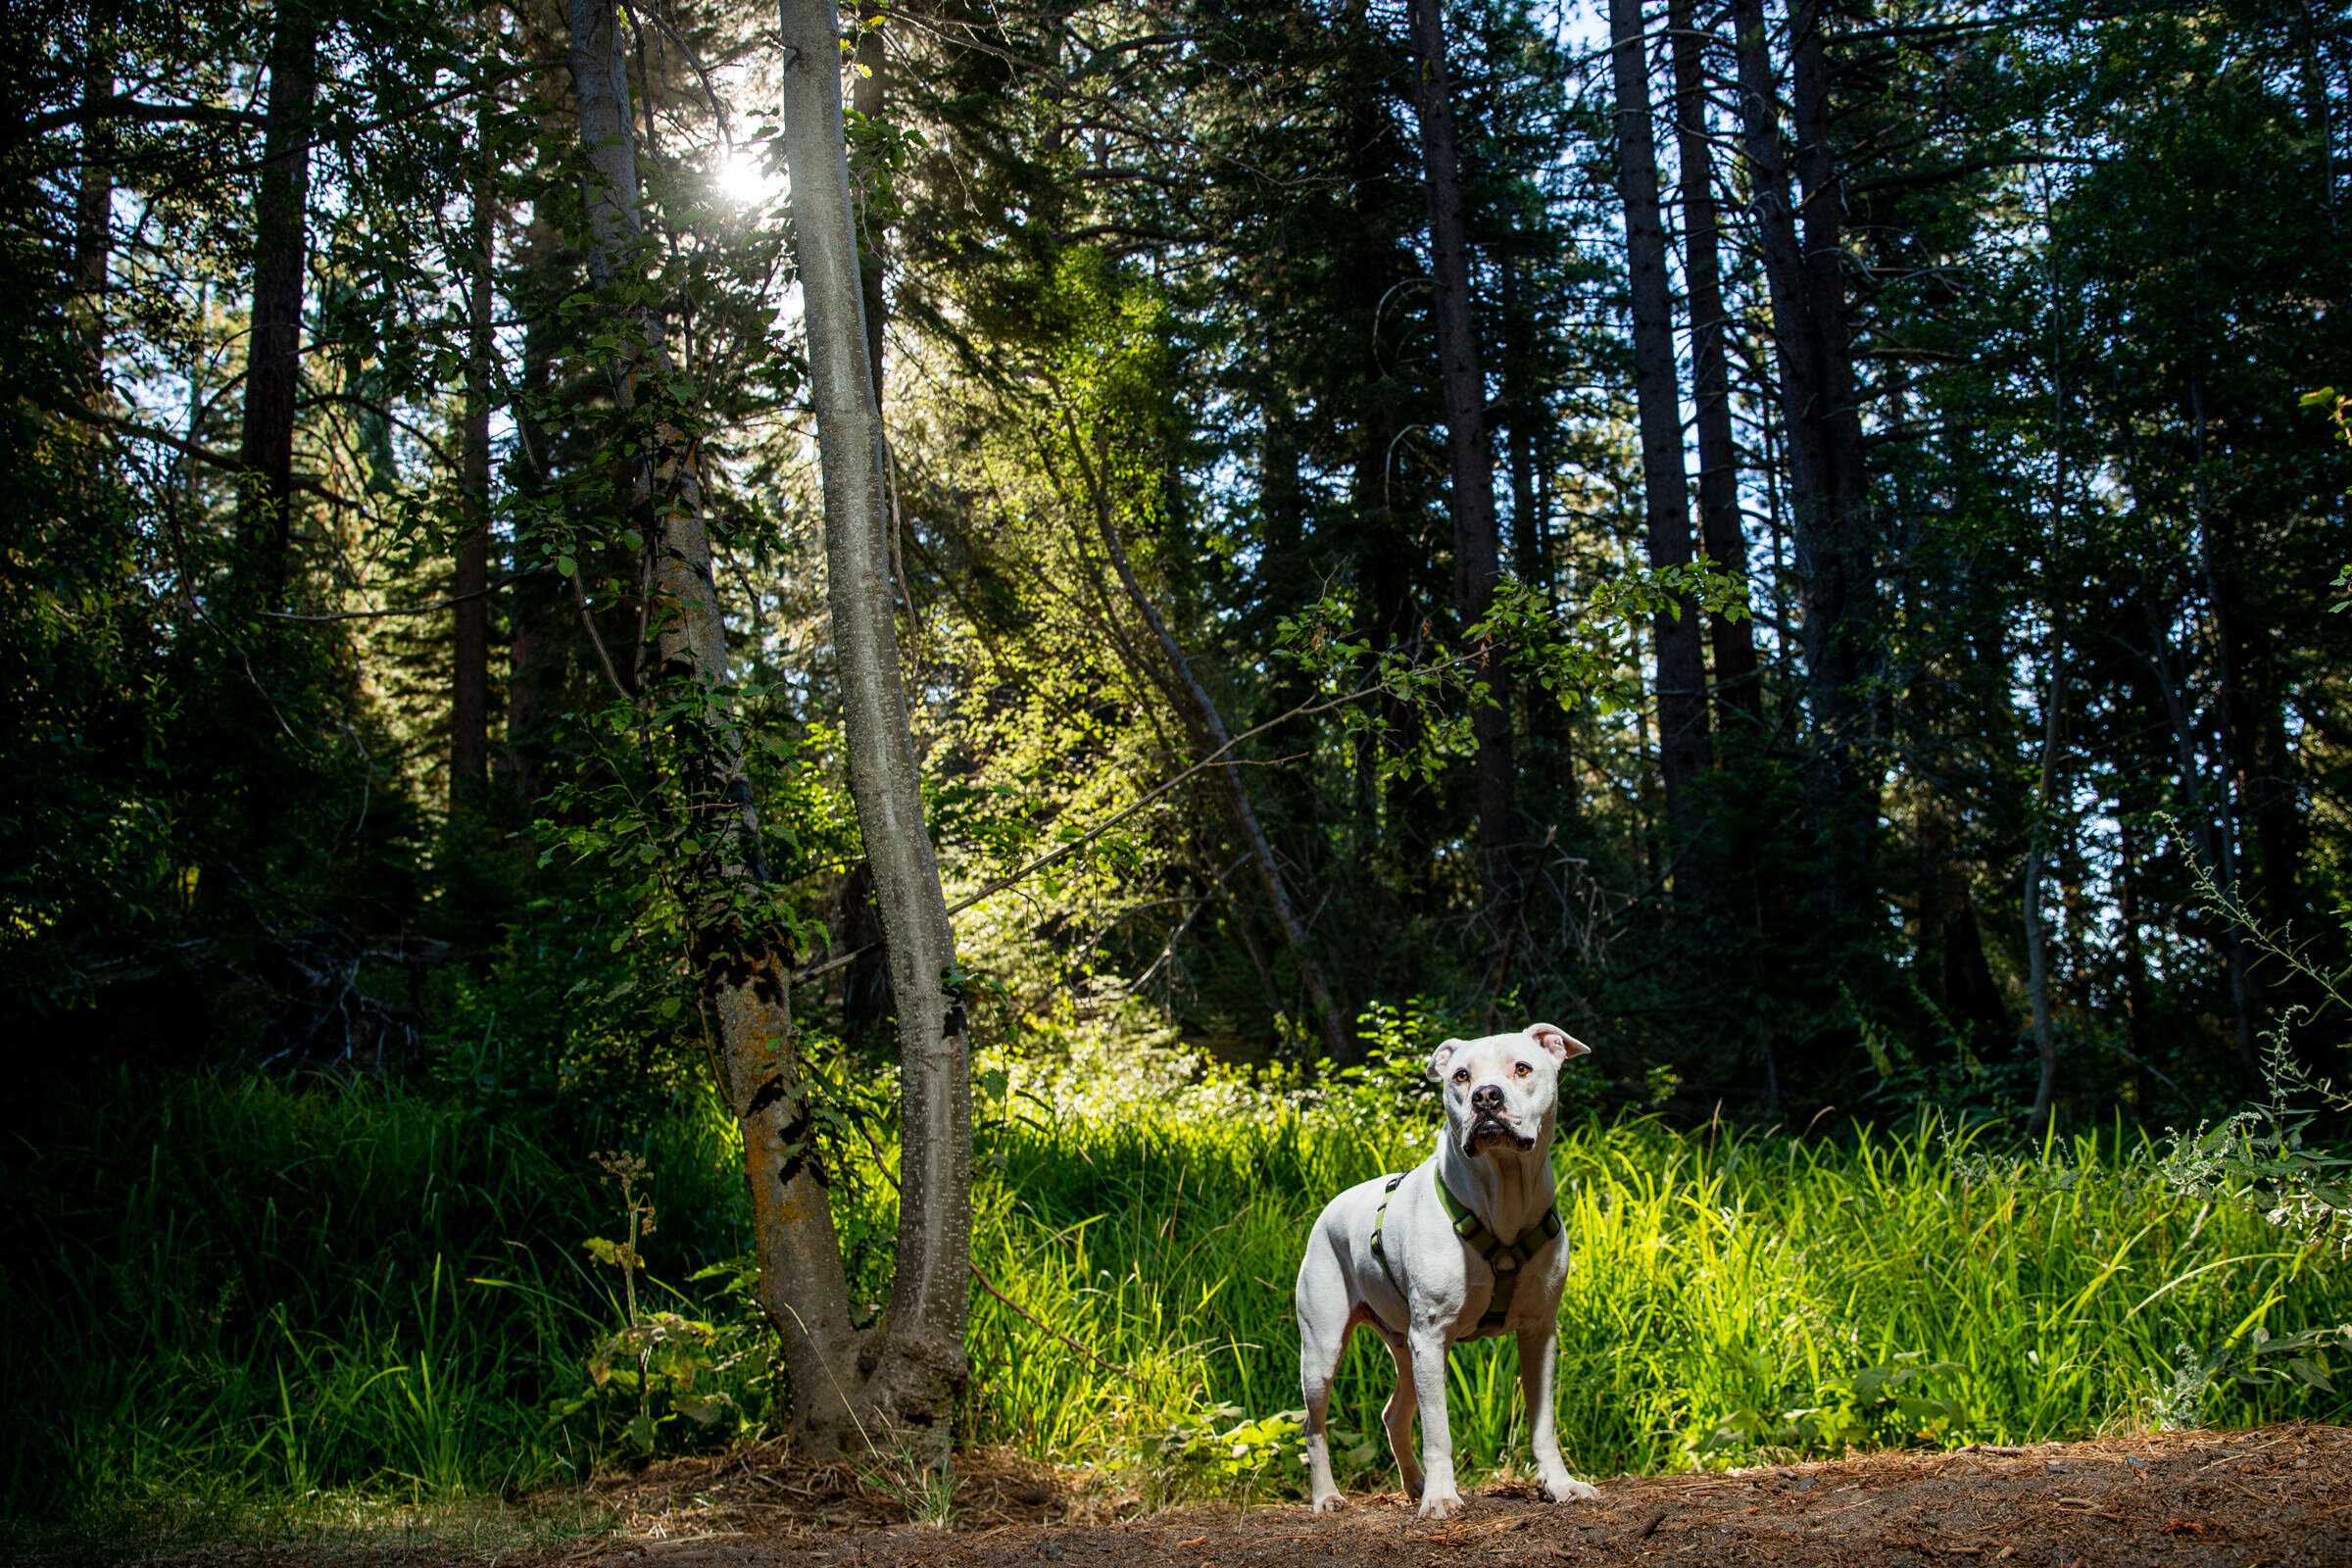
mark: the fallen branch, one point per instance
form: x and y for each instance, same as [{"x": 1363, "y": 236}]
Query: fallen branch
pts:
[
  {"x": 1107, "y": 1366},
  {"x": 1215, "y": 759},
  {"x": 989, "y": 1285}
]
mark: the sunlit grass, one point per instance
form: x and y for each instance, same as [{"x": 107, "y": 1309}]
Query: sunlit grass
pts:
[
  {"x": 1724, "y": 1285},
  {"x": 241, "y": 1310}
]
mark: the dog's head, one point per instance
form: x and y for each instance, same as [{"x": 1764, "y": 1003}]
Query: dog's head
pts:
[{"x": 1500, "y": 1090}]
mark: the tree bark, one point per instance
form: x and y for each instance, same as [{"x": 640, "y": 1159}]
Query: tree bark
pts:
[
  {"x": 1737, "y": 691},
  {"x": 2231, "y": 806},
  {"x": 273, "y": 341},
  {"x": 1848, "y": 569},
  {"x": 1816, "y": 401},
  {"x": 1385, "y": 554},
  {"x": 918, "y": 1368},
  {"x": 2212, "y": 823},
  {"x": 1526, "y": 413},
  {"x": 2037, "y": 943},
  {"x": 1477, "y": 551},
  {"x": 743, "y": 961},
  {"x": 2132, "y": 922},
  {"x": 1683, "y": 749},
  {"x": 867, "y": 91},
  {"x": 94, "y": 198},
  {"x": 470, "y": 696}
]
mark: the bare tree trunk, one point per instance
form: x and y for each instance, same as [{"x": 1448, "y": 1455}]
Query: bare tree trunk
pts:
[
  {"x": 1720, "y": 533},
  {"x": 1793, "y": 356},
  {"x": 273, "y": 341},
  {"x": 2037, "y": 943},
  {"x": 1683, "y": 749},
  {"x": 2049, "y": 811},
  {"x": 743, "y": 961},
  {"x": 867, "y": 91},
  {"x": 2230, "y": 803},
  {"x": 94, "y": 199},
  {"x": 470, "y": 697},
  {"x": 1337, "y": 1038},
  {"x": 2134, "y": 945},
  {"x": 2212, "y": 824},
  {"x": 1815, "y": 402},
  {"x": 1477, "y": 552},
  {"x": 1527, "y": 415},
  {"x": 918, "y": 1368},
  {"x": 526, "y": 711}
]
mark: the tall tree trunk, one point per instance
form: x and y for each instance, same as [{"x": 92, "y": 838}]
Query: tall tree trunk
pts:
[
  {"x": 527, "y": 705},
  {"x": 2132, "y": 923},
  {"x": 2211, "y": 821},
  {"x": 743, "y": 961},
  {"x": 1737, "y": 688},
  {"x": 2037, "y": 858},
  {"x": 1218, "y": 740},
  {"x": 273, "y": 341},
  {"x": 869, "y": 87},
  {"x": 470, "y": 697},
  {"x": 1383, "y": 551},
  {"x": 1477, "y": 552},
  {"x": 2232, "y": 806},
  {"x": 94, "y": 199},
  {"x": 1683, "y": 749},
  {"x": 918, "y": 1368},
  {"x": 1814, "y": 401},
  {"x": 1526, "y": 414},
  {"x": 1840, "y": 413}
]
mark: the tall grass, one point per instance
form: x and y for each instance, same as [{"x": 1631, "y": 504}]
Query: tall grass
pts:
[
  {"x": 226, "y": 1296},
  {"x": 1730, "y": 1295}
]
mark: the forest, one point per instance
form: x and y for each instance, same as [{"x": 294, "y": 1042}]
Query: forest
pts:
[{"x": 913, "y": 654}]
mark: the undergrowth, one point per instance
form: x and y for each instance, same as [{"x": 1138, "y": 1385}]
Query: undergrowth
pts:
[{"x": 239, "y": 1305}]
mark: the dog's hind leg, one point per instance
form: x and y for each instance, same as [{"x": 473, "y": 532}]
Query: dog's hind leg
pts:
[
  {"x": 1397, "y": 1417},
  {"x": 1325, "y": 1321},
  {"x": 1538, "y": 1366}
]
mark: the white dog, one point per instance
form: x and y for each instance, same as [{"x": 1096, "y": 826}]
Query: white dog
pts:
[{"x": 1465, "y": 1244}]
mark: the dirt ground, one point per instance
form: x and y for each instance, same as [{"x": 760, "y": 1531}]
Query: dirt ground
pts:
[
  {"x": 2281, "y": 1495},
  {"x": 2229, "y": 1500}
]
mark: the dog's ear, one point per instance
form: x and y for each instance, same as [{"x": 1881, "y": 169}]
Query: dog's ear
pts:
[
  {"x": 1563, "y": 1045},
  {"x": 1438, "y": 1057}
]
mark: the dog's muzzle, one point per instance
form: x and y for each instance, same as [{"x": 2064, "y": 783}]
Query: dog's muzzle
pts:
[{"x": 1493, "y": 1130}]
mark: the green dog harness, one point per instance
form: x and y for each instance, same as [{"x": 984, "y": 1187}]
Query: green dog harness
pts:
[{"x": 1506, "y": 1259}]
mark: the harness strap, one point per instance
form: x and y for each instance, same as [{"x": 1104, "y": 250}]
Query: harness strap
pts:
[
  {"x": 1379, "y": 1248},
  {"x": 1506, "y": 1258}
]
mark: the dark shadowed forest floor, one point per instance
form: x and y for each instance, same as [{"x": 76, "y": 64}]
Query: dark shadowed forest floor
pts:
[{"x": 2238, "y": 1499}]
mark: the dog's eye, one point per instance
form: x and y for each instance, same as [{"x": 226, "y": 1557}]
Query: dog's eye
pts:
[
  {"x": 1525, "y": 1070},
  {"x": 1461, "y": 1075}
]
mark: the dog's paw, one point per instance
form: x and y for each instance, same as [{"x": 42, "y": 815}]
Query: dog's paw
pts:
[
  {"x": 1442, "y": 1504},
  {"x": 1570, "y": 1489},
  {"x": 1330, "y": 1502}
]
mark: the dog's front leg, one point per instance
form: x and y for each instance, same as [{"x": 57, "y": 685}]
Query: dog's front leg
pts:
[
  {"x": 1538, "y": 1364},
  {"x": 1439, "y": 1497}
]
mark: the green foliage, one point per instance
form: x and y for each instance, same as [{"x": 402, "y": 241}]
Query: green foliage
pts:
[
  {"x": 1734, "y": 1296},
  {"x": 257, "y": 1294},
  {"x": 672, "y": 1366},
  {"x": 259, "y": 1301},
  {"x": 1573, "y": 657}
]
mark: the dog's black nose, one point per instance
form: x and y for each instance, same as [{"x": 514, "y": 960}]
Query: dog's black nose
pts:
[{"x": 1486, "y": 1098}]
